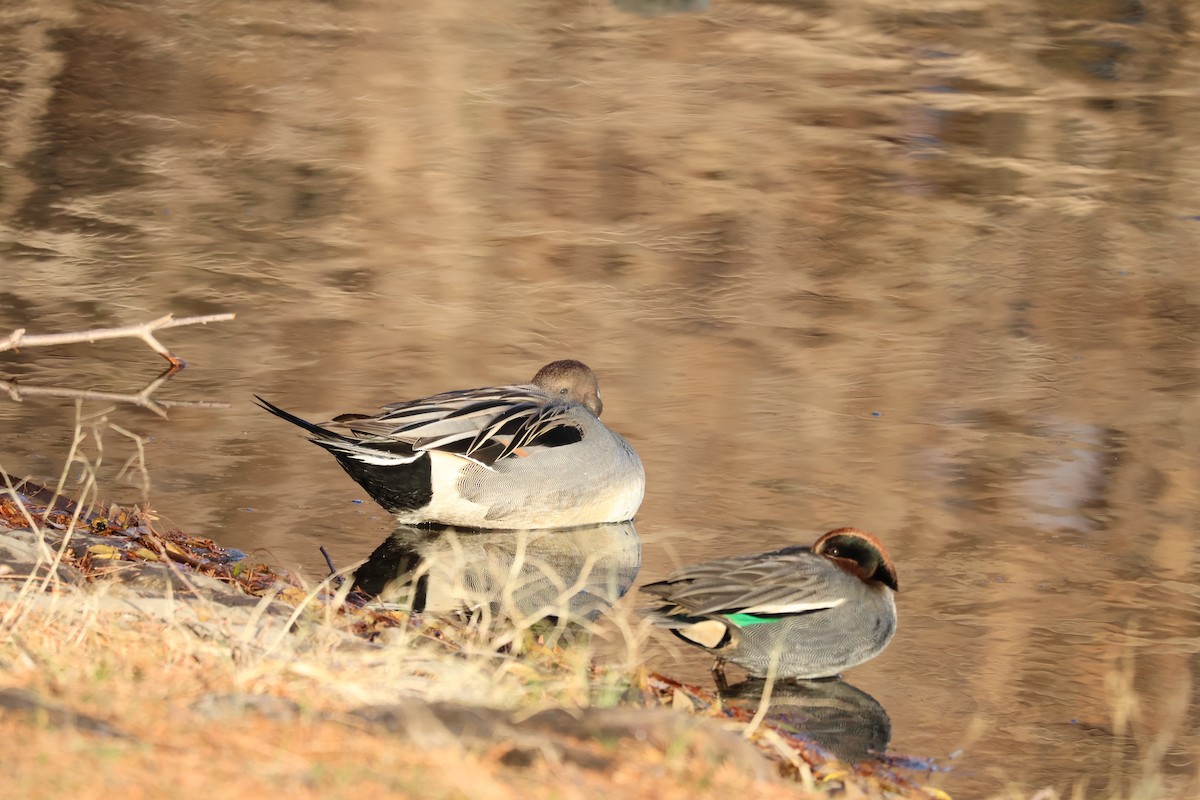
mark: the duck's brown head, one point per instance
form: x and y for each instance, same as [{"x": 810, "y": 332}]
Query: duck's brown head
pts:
[
  {"x": 573, "y": 380},
  {"x": 859, "y": 553}
]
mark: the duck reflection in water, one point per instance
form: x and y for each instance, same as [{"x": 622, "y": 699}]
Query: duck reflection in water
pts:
[
  {"x": 832, "y": 714},
  {"x": 569, "y": 574}
]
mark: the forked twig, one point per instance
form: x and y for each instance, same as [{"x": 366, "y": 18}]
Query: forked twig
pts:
[{"x": 144, "y": 331}]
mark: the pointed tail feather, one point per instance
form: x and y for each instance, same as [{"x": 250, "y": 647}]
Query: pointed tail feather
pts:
[
  {"x": 373, "y": 453},
  {"x": 313, "y": 428}
]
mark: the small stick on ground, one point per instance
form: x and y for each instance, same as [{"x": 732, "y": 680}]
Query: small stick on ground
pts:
[
  {"x": 143, "y": 330},
  {"x": 333, "y": 573}
]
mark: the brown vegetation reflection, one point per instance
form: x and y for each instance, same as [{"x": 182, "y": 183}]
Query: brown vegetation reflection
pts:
[{"x": 925, "y": 269}]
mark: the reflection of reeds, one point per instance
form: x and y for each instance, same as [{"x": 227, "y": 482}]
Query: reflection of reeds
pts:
[{"x": 1142, "y": 738}]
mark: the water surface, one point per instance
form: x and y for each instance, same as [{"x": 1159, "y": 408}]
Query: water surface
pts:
[{"x": 926, "y": 269}]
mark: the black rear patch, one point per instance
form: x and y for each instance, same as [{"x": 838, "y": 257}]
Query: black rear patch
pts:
[
  {"x": 402, "y": 487},
  {"x": 559, "y": 436}
]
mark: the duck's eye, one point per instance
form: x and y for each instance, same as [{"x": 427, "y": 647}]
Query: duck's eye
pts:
[
  {"x": 834, "y": 551},
  {"x": 564, "y": 391}
]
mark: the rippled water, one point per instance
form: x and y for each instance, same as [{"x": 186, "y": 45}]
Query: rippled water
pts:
[{"x": 928, "y": 269}]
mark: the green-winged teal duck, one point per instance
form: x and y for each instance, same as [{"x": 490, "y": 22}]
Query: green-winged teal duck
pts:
[{"x": 814, "y": 610}]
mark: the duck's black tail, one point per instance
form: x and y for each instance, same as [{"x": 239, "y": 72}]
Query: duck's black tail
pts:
[
  {"x": 392, "y": 472},
  {"x": 319, "y": 434}
]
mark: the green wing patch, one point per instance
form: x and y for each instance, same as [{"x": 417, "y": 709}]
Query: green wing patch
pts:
[{"x": 743, "y": 620}]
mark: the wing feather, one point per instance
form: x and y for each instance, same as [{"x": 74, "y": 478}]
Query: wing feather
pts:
[
  {"x": 484, "y": 425},
  {"x": 788, "y": 581}
]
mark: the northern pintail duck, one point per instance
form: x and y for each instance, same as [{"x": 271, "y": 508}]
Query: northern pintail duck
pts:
[
  {"x": 532, "y": 455},
  {"x": 814, "y": 610}
]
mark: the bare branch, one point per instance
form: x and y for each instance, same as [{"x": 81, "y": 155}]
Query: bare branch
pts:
[{"x": 144, "y": 331}]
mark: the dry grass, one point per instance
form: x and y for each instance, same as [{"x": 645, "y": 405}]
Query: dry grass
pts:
[
  {"x": 154, "y": 682},
  {"x": 151, "y": 693},
  {"x": 147, "y": 679}
]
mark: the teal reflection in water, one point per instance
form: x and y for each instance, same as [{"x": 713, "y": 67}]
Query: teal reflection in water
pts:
[{"x": 832, "y": 714}]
